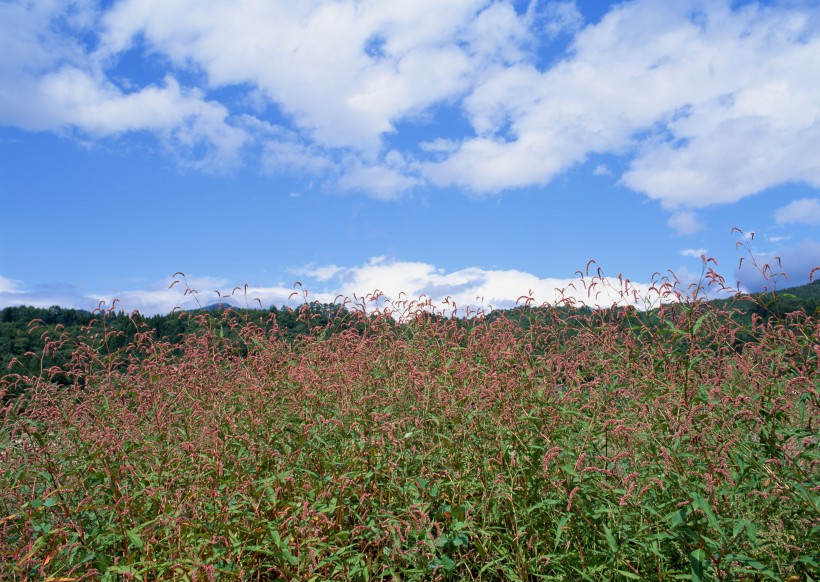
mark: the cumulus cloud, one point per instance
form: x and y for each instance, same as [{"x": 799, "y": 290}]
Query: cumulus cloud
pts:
[
  {"x": 385, "y": 181},
  {"x": 684, "y": 222},
  {"x": 380, "y": 182},
  {"x": 717, "y": 104},
  {"x": 320, "y": 273},
  {"x": 697, "y": 253},
  {"x": 805, "y": 210},
  {"x": 472, "y": 287},
  {"x": 310, "y": 58},
  {"x": 707, "y": 102},
  {"x": 50, "y": 81},
  {"x": 183, "y": 118},
  {"x": 562, "y": 18}
]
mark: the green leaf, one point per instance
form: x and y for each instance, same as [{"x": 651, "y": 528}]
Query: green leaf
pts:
[
  {"x": 698, "y": 323},
  {"x": 446, "y": 563},
  {"x": 610, "y": 539},
  {"x": 543, "y": 503},
  {"x": 739, "y": 526},
  {"x": 809, "y": 560},
  {"x": 699, "y": 502},
  {"x": 748, "y": 527},
  {"x": 754, "y": 565},
  {"x": 696, "y": 561},
  {"x": 678, "y": 517},
  {"x": 559, "y": 531},
  {"x": 674, "y": 329},
  {"x": 134, "y": 536}
]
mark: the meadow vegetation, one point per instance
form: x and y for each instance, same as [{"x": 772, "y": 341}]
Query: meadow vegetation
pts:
[{"x": 560, "y": 444}]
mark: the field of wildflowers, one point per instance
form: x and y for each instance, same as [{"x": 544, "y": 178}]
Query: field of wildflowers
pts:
[{"x": 563, "y": 444}]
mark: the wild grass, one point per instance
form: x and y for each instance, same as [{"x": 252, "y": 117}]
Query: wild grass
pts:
[{"x": 584, "y": 445}]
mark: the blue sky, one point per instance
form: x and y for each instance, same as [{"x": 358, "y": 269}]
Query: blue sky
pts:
[{"x": 473, "y": 149}]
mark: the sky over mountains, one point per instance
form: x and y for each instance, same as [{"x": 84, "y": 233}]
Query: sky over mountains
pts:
[{"x": 472, "y": 149}]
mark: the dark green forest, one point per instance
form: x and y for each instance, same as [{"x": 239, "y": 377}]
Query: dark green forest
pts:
[{"x": 34, "y": 340}]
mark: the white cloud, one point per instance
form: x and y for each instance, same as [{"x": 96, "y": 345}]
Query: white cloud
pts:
[
  {"x": 49, "y": 81},
  {"x": 293, "y": 157},
  {"x": 379, "y": 182},
  {"x": 322, "y": 273},
  {"x": 749, "y": 113},
  {"x": 601, "y": 170},
  {"x": 31, "y": 44},
  {"x": 707, "y": 103},
  {"x": 385, "y": 182},
  {"x": 473, "y": 287},
  {"x": 310, "y": 57},
  {"x": 9, "y": 286},
  {"x": 498, "y": 34},
  {"x": 684, "y": 222},
  {"x": 717, "y": 106},
  {"x": 778, "y": 239},
  {"x": 562, "y": 18},
  {"x": 697, "y": 253},
  {"x": 805, "y": 210},
  {"x": 439, "y": 145},
  {"x": 97, "y": 107}
]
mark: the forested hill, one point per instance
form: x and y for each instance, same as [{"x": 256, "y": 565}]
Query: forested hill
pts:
[{"x": 24, "y": 330}]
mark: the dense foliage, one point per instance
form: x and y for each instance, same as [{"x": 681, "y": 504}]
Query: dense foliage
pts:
[
  {"x": 26, "y": 331},
  {"x": 545, "y": 444}
]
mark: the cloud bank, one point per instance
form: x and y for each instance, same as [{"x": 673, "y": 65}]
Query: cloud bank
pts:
[{"x": 462, "y": 291}]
